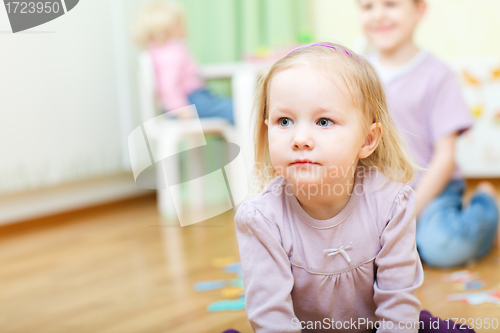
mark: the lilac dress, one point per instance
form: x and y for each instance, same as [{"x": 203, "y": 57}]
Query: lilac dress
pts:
[{"x": 372, "y": 274}]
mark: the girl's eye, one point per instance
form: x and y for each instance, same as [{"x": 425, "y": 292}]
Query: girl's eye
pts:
[
  {"x": 285, "y": 122},
  {"x": 324, "y": 122},
  {"x": 366, "y": 7}
]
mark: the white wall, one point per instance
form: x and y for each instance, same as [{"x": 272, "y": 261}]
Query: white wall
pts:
[
  {"x": 59, "y": 106},
  {"x": 67, "y": 105}
]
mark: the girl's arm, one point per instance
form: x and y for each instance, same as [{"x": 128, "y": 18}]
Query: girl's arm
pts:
[
  {"x": 440, "y": 171},
  {"x": 267, "y": 273},
  {"x": 448, "y": 118},
  {"x": 399, "y": 270}
]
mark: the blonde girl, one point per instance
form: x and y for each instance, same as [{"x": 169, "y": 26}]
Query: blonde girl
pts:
[
  {"x": 329, "y": 244},
  {"x": 159, "y": 28}
]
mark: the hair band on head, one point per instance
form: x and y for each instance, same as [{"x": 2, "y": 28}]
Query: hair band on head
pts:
[{"x": 319, "y": 44}]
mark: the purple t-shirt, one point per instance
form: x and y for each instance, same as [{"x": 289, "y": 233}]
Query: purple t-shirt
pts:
[{"x": 425, "y": 101}]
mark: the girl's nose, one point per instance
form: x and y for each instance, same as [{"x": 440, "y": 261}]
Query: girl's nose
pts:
[
  {"x": 378, "y": 13},
  {"x": 302, "y": 140}
]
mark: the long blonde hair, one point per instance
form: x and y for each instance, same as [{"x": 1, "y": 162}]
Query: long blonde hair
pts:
[
  {"x": 390, "y": 157},
  {"x": 155, "y": 20}
]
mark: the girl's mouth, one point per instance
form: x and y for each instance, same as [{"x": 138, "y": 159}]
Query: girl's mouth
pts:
[
  {"x": 303, "y": 162},
  {"x": 382, "y": 29}
]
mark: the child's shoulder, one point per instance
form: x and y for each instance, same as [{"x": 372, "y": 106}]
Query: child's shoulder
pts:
[
  {"x": 382, "y": 193},
  {"x": 436, "y": 67},
  {"x": 265, "y": 204},
  {"x": 374, "y": 180}
]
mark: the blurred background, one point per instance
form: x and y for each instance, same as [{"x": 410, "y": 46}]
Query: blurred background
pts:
[{"x": 82, "y": 247}]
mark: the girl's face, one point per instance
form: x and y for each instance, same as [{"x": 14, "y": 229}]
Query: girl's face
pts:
[
  {"x": 389, "y": 24},
  {"x": 315, "y": 131},
  {"x": 179, "y": 29}
]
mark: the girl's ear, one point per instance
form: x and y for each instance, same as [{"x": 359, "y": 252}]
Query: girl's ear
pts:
[
  {"x": 266, "y": 122},
  {"x": 371, "y": 141},
  {"x": 421, "y": 8}
]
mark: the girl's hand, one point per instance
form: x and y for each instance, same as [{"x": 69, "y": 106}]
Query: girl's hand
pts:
[{"x": 186, "y": 113}]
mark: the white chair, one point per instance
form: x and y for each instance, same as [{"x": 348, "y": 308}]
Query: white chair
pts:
[{"x": 168, "y": 133}]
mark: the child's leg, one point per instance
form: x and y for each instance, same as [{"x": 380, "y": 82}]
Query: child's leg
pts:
[
  {"x": 448, "y": 235},
  {"x": 209, "y": 105},
  {"x": 437, "y": 246},
  {"x": 484, "y": 203}
]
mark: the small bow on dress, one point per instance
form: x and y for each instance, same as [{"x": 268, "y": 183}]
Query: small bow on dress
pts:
[{"x": 340, "y": 250}]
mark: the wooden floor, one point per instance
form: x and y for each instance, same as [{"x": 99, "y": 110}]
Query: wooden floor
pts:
[{"x": 118, "y": 268}]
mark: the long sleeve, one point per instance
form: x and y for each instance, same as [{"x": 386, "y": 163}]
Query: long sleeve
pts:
[
  {"x": 399, "y": 270},
  {"x": 267, "y": 273}
]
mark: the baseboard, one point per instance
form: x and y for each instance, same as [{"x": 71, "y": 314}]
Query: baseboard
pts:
[{"x": 43, "y": 202}]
